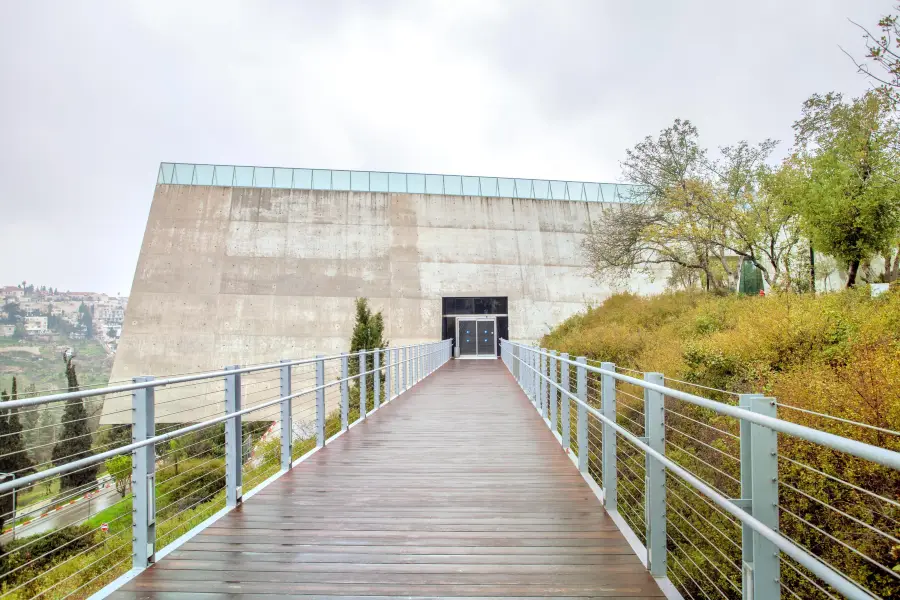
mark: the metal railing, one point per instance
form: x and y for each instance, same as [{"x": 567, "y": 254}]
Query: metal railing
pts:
[
  {"x": 700, "y": 486},
  {"x": 221, "y": 437},
  {"x": 406, "y": 183}
]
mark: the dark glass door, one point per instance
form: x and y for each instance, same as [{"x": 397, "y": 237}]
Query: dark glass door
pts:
[
  {"x": 468, "y": 337},
  {"x": 486, "y": 338}
]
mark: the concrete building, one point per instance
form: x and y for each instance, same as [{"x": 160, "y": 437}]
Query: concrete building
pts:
[
  {"x": 36, "y": 325},
  {"x": 7, "y": 330},
  {"x": 243, "y": 265}
]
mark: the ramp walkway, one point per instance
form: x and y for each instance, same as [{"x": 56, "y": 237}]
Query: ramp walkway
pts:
[{"x": 454, "y": 489}]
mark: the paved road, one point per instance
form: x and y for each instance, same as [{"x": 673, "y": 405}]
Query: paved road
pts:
[{"x": 73, "y": 514}]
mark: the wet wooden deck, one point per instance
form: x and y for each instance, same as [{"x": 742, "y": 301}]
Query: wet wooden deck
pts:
[{"x": 455, "y": 489}]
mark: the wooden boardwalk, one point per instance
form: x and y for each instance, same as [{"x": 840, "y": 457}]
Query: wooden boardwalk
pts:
[{"x": 455, "y": 489}]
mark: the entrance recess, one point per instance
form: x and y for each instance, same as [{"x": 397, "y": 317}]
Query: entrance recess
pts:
[{"x": 477, "y": 337}]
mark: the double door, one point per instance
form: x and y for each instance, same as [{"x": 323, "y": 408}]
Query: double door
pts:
[{"x": 477, "y": 337}]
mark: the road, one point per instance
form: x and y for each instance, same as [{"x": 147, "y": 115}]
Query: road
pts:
[{"x": 70, "y": 515}]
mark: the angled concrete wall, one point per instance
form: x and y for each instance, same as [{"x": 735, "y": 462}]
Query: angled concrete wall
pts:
[{"x": 248, "y": 275}]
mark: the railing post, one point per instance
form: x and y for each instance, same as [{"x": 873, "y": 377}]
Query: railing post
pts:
[
  {"x": 405, "y": 364},
  {"x": 143, "y": 477},
  {"x": 320, "y": 400},
  {"x": 387, "y": 374},
  {"x": 396, "y": 377},
  {"x": 552, "y": 392},
  {"x": 376, "y": 380},
  {"x": 608, "y": 454},
  {"x": 655, "y": 502},
  {"x": 286, "y": 417},
  {"x": 582, "y": 423},
  {"x": 759, "y": 484},
  {"x": 362, "y": 384},
  {"x": 517, "y": 370},
  {"x": 345, "y": 392},
  {"x": 533, "y": 383},
  {"x": 543, "y": 382},
  {"x": 564, "y": 400},
  {"x": 233, "y": 440}
]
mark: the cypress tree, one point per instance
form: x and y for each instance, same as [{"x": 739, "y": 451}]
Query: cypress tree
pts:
[
  {"x": 368, "y": 334},
  {"x": 75, "y": 438},
  {"x": 13, "y": 457}
]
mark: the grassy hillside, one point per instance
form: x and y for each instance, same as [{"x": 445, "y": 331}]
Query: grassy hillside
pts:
[
  {"x": 41, "y": 363},
  {"x": 835, "y": 354}
]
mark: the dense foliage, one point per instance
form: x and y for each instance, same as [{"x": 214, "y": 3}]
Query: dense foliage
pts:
[
  {"x": 74, "y": 436},
  {"x": 835, "y": 354}
]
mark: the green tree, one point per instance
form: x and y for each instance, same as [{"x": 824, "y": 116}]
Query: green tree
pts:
[
  {"x": 75, "y": 439},
  {"x": 843, "y": 178},
  {"x": 176, "y": 452},
  {"x": 120, "y": 469},
  {"x": 86, "y": 319},
  {"x": 13, "y": 312},
  {"x": 368, "y": 334},
  {"x": 13, "y": 456},
  {"x": 695, "y": 215}
]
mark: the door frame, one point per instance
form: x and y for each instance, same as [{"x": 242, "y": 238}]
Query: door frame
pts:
[{"x": 477, "y": 318}]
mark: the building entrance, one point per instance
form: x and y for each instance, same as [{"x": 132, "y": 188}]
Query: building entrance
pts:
[
  {"x": 477, "y": 337},
  {"x": 475, "y": 324}
]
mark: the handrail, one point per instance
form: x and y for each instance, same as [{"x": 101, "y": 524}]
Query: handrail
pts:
[
  {"x": 825, "y": 572},
  {"x": 28, "y": 480},
  {"x": 882, "y": 456}
]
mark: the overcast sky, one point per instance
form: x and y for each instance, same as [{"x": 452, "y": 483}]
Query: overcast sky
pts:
[{"x": 93, "y": 95}]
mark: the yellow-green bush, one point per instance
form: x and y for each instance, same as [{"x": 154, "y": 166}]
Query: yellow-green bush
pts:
[{"x": 837, "y": 354}]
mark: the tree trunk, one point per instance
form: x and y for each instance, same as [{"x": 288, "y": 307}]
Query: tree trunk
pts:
[
  {"x": 894, "y": 272},
  {"x": 851, "y": 273},
  {"x": 812, "y": 269}
]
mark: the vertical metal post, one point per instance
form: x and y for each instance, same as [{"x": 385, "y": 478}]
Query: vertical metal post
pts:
[
  {"x": 608, "y": 459},
  {"x": 345, "y": 392},
  {"x": 362, "y": 384},
  {"x": 396, "y": 377},
  {"x": 582, "y": 424},
  {"x": 543, "y": 382},
  {"x": 387, "y": 374},
  {"x": 655, "y": 502},
  {"x": 759, "y": 484},
  {"x": 552, "y": 392},
  {"x": 564, "y": 400},
  {"x": 405, "y": 364},
  {"x": 517, "y": 371},
  {"x": 143, "y": 477},
  {"x": 320, "y": 400},
  {"x": 376, "y": 365},
  {"x": 233, "y": 440},
  {"x": 533, "y": 378},
  {"x": 286, "y": 417}
]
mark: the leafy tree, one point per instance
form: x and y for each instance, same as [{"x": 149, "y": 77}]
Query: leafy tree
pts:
[
  {"x": 368, "y": 334},
  {"x": 86, "y": 319},
  {"x": 13, "y": 456},
  {"x": 75, "y": 439},
  {"x": 13, "y": 312},
  {"x": 694, "y": 214},
  {"x": 883, "y": 52},
  {"x": 176, "y": 452},
  {"x": 111, "y": 332},
  {"x": 844, "y": 178},
  {"x": 120, "y": 469}
]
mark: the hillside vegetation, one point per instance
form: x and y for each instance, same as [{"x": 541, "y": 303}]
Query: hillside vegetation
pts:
[{"x": 836, "y": 355}]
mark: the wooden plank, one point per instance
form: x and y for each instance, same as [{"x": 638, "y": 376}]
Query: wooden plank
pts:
[{"x": 456, "y": 489}]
